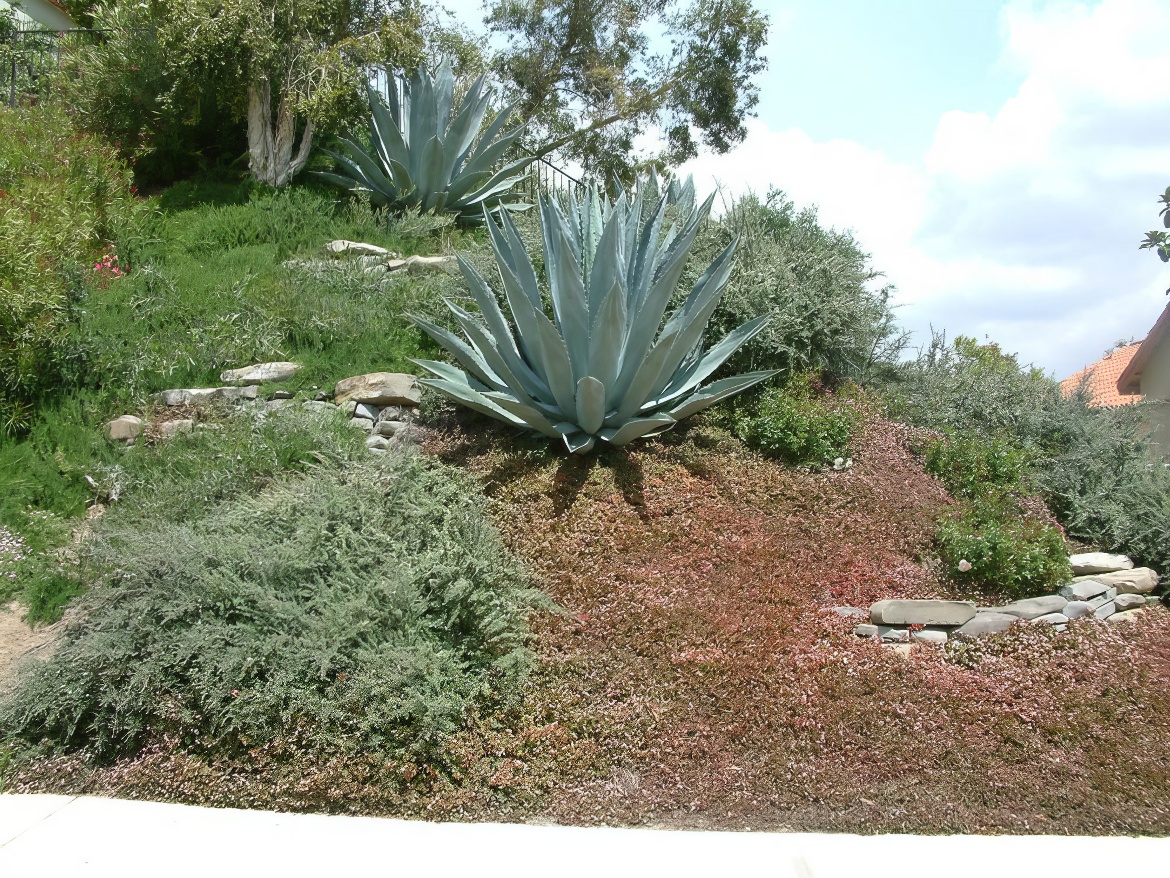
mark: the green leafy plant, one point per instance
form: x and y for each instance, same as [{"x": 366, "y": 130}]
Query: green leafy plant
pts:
[
  {"x": 600, "y": 368},
  {"x": 799, "y": 424},
  {"x": 970, "y": 465},
  {"x": 428, "y": 152}
]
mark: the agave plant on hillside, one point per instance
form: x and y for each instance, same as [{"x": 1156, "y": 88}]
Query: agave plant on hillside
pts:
[
  {"x": 605, "y": 366},
  {"x": 429, "y": 152}
]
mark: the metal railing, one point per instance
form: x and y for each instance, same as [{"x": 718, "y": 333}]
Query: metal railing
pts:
[{"x": 29, "y": 57}]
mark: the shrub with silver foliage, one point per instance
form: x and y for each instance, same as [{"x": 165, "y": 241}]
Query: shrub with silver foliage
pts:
[
  {"x": 604, "y": 366},
  {"x": 429, "y": 153}
]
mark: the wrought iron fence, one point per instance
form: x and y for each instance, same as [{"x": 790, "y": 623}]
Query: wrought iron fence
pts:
[{"x": 29, "y": 57}]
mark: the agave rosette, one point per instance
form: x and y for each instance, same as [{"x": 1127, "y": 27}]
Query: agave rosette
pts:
[
  {"x": 604, "y": 366},
  {"x": 430, "y": 153}
]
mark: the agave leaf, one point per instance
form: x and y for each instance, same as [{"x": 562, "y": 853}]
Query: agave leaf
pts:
[
  {"x": 473, "y": 399},
  {"x": 636, "y": 429},
  {"x": 526, "y": 413},
  {"x": 337, "y": 180},
  {"x": 388, "y": 137},
  {"x": 452, "y": 373},
  {"x": 713, "y": 359},
  {"x": 463, "y": 352},
  {"x": 590, "y": 404},
  {"x": 558, "y": 370},
  {"x": 569, "y": 303},
  {"x": 578, "y": 442},
  {"x": 720, "y": 390},
  {"x": 444, "y": 90},
  {"x": 607, "y": 337}
]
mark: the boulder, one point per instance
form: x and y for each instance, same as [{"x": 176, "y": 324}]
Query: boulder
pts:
[
  {"x": 125, "y": 429},
  {"x": 171, "y": 429},
  {"x": 1076, "y": 609},
  {"x": 1103, "y": 599},
  {"x": 379, "y": 388},
  {"x": 921, "y": 612},
  {"x": 1129, "y": 602},
  {"x": 1053, "y": 619},
  {"x": 1083, "y": 591},
  {"x": 1127, "y": 616},
  {"x": 260, "y": 373},
  {"x": 866, "y": 630},
  {"x": 1089, "y": 563},
  {"x": 1033, "y": 608},
  {"x": 937, "y": 638},
  {"x": 378, "y": 443},
  {"x": 205, "y": 394},
  {"x": 1106, "y": 610},
  {"x": 987, "y": 623},
  {"x": 1140, "y": 580}
]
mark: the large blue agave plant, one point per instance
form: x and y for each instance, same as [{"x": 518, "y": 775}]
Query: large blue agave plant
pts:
[
  {"x": 605, "y": 366},
  {"x": 429, "y": 153}
]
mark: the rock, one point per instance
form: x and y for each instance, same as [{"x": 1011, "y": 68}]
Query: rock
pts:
[
  {"x": 1053, "y": 619},
  {"x": 321, "y": 396},
  {"x": 902, "y": 649},
  {"x": 365, "y": 410},
  {"x": 421, "y": 264},
  {"x": 843, "y": 612},
  {"x": 341, "y": 246},
  {"x": 380, "y": 443},
  {"x": 389, "y": 428},
  {"x": 893, "y": 635},
  {"x": 282, "y": 394},
  {"x": 363, "y": 424},
  {"x": 1098, "y": 562},
  {"x": 988, "y": 610},
  {"x": 1060, "y": 629},
  {"x": 1032, "y": 608},
  {"x": 1105, "y": 610},
  {"x": 1129, "y": 602},
  {"x": 1140, "y": 580},
  {"x": 987, "y": 623},
  {"x": 1083, "y": 591},
  {"x": 928, "y": 636},
  {"x": 260, "y": 373},
  {"x": 205, "y": 394},
  {"x": 349, "y": 408},
  {"x": 921, "y": 612},
  {"x": 171, "y": 429},
  {"x": 125, "y": 429},
  {"x": 315, "y": 405},
  {"x": 379, "y": 388},
  {"x": 1151, "y": 600},
  {"x": 1076, "y": 609},
  {"x": 1127, "y": 616},
  {"x": 866, "y": 630},
  {"x": 1101, "y": 600},
  {"x": 275, "y": 405},
  {"x": 398, "y": 413}
]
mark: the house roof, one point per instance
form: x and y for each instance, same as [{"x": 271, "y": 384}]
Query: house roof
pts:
[
  {"x": 1101, "y": 378},
  {"x": 1130, "y": 380}
]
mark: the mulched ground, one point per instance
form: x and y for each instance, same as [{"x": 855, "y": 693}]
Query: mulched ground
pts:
[{"x": 697, "y": 677}]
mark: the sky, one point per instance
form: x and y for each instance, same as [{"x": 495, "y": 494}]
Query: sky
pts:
[{"x": 1000, "y": 161}]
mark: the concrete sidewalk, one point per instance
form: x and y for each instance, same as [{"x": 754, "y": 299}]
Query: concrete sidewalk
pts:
[{"x": 48, "y": 836}]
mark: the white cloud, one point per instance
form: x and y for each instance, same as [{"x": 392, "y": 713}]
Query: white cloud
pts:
[{"x": 1022, "y": 224}]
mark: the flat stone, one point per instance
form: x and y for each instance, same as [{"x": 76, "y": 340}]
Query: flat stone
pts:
[
  {"x": 389, "y": 428},
  {"x": 342, "y": 246},
  {"x": 171, "y": 429},
  {"x": 205, "y": 394},
  {"x": 1032, "y": 608},
  {"x": 260, "y": 373},
  {"x": 902, "y": 649},
  {"x": 1085, "y": 590},
  {"x": 381, "y": 443},
  {"x": 125, "y": 429},
  {"x": 928, "y": 636},
  {"x": 1076, "y": 609},
  {"x": 1053, "y": 619},
  {"x": 843, "y": 612},
  {"x": 989, "y": 610},
  {"x": 1140, "y": 580},
  {"x": 921, "y": 612},
  {"x": 1060, "y": 629},
  {"x": 866, "y": 630},
  {"x": 1098, "y": 562},
  {"x": 282, "y": 394},
  {"x": 1105, "y": 610},
  {"x": 365, "y": 410},
  {"x": 1101, "y": 600},
  {"x": 363, "y": 424},
  {"x": 349, "y": 408},
  {"x": 1129, "y": 602},
  {"x": 315, "y": 405},
  {"x": 893, "y": 635},
  {"x": 1127, "y": 616},
  {"x": 379, "y": 388},
  {"x": 987, "y": 623}
]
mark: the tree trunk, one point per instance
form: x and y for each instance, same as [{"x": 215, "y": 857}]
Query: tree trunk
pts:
[{"x": 271, "y": 141}]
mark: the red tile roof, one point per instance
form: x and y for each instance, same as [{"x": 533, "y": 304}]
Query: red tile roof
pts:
[{"x": 1102, "y": 379}]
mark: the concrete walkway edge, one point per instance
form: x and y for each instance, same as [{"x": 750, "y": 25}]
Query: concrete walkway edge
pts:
[{"x": 48, "y": 836}]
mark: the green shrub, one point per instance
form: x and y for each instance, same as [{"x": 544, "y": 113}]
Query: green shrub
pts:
[
  {"x": 814, "y": 283},
  {"x": 800, "y": 423},
  {"x": 353, "y": 612},
  {"x": 64, "y": 199},
  {"x": 971, "y": 465},
  {"x": 1014, "y": 549}
]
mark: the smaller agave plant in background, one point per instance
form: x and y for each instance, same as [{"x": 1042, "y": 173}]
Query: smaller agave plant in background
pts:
[
  {"x": 429, "y": 153},
  {"x": 605, "y": 366}
]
